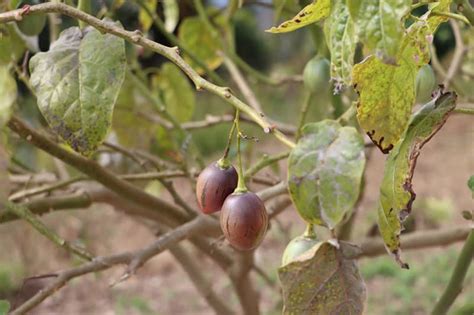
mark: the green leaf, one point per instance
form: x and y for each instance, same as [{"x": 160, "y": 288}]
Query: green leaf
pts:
[
  {"x": 171, "y": 12},
  {"x": 387, "y": 92},
  {"x": 77, "y": 83},
  {"x": 131, "y": 110},
  {"x": 323, "y": 280},
  {"x": 341, "y": 40},
  {"x": 177, "y": 92},
  {"x": 396, "y": 192},
  {"x": 206, "y": 45},
  {"x": 12, "y": 46},
  {"x": 4, "y": 307},
  {"x": 470, "y": 184},
  {"x": 317, "y": 11},
  {"x": 325, "y": 171},
  {"x": 8, "y": 94},
  {"x": 144, "y": 18},
  {"x": 379, "y": 25}
]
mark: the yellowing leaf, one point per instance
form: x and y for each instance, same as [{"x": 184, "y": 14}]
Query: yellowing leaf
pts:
[
  {"x": 323, "y": 280},
  {"x": 144, "y": 17},
  {"x": 396, "y": 192},
  {"x": 194, "y": 34},
  {"x": 387, "y": 92},
  {"x": 312, "y": 13}
]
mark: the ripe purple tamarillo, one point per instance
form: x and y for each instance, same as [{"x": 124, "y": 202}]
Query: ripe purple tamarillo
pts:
[
  {"x": 213, "y": 186},
  {"x": 244, "y": 220}
]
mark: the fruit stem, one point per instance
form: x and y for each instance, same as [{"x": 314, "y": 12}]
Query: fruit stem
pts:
[
  {"x": 241, "y": 187},
  {"x": 231, "y": 135},
  {"x": 309, "y": 232}
]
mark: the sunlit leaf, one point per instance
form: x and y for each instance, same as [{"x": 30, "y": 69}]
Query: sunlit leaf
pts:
[
  {"x": 379, "y": 25},
  {"x": 177, "y": 92},
  {"x": 171, "y": 12},
  {"x": 316, "y": 11},
  {"x": 396, "y": 192},
  {"x": 323, "y": 280},
  {"x": 204, "y": 44},
  {"x": 324, "y": 172},
  {"x": 387, "y": 92},
  {"x": 8, "y": 94},
  {"x": 341, "y": 40},
  {"x": 77, "y": 83},
  {"x": 144, "y": 17}
]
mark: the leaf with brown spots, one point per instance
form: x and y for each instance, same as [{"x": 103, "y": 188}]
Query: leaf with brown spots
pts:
[
  {"x": 396, "y": 192},
  {"x": 312, "y": 13},
  {"x": 323, "y": 280}
]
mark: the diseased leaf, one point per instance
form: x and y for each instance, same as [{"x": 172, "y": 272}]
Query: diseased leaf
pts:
[
  {"x": 171, "y": 12},
  {"x": 317, "y": 11},
  {"x": 77, "y": 83},
  {"x": 177, "y": 92},
  {"x": 323, "y": 280},
  {"x": 396, "y": 193},
  {"x": 379, "y": 25},
  {"x": 144, "y": 17},
  {"x": 387, "y": 92},
  {"x": 324, "y": 172},
  {"x": 341, "y": 40},
  {"x": 194, "y": 34},
  {"x": 8, "y": 94}
]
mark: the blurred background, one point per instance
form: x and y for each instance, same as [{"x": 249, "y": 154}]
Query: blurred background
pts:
[{"x": 162, "y": 286}]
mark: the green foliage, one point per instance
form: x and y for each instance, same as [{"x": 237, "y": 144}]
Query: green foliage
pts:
[
  {"x": 323, "y": 280},
  {"x": 396, "y": 193},
  {"x": 194, "y": 34},
  {"x": 470, "y": 184},
  {"x": 146, "y": 21},
  {"x": 8, "y": 94},
  {"x": 11, "y": 44},
  {"x": 312, "y": 13},
  {"x": 176, "y": 91},
  {"x": 4, "y": 307},
  {"x": 378, "y": 25},
  {"x": 341, "y": 41},
  {"x": 324, "y": 172},
  {"x": 77, "y": 83}
]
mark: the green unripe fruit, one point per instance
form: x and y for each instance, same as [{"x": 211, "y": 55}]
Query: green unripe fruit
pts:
[
  {"x": 298, "y": 246},
  {"x": 425, "y": 84},
  {"x": 316, "y": 75},
  {"x": 33, "y": 24}
]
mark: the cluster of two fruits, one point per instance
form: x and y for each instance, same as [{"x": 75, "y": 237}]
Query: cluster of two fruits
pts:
[{"x": 243, "y": 218}]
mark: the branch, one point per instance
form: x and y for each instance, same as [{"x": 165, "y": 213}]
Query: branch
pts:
[
  {"x": 458, "y": 54},
  {"x": 455, "y": 285},
  {"x": 24, "y": 213},
  {"x": 423, "y": 239},
  {"x": 167, "y": 211},
  {"x": 171, "y": 53},
  {"x": 134, "y": 260}
]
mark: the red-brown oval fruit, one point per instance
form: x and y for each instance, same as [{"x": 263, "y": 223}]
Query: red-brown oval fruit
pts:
[
  {"x": 214, "y": 184},
  {"x": 244, "y": 220}
]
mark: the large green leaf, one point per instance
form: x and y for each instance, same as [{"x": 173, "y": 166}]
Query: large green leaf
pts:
[
  {"x": 325, "y": 170},
  {"x": 379, "y": 25},
  {"x": 77, "y": 83},
  {"x": 387, "y": 92},
  {"x": 314, "y": 12},
  {"x": 8, "y": 94},
  {"x": 195, "y": 35},
  {"x": 176, "y": 91},
  {"x": 323, "y": 280},
  {"x": 341, "y": 40},
  {"x": 396, "y": 192}
]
